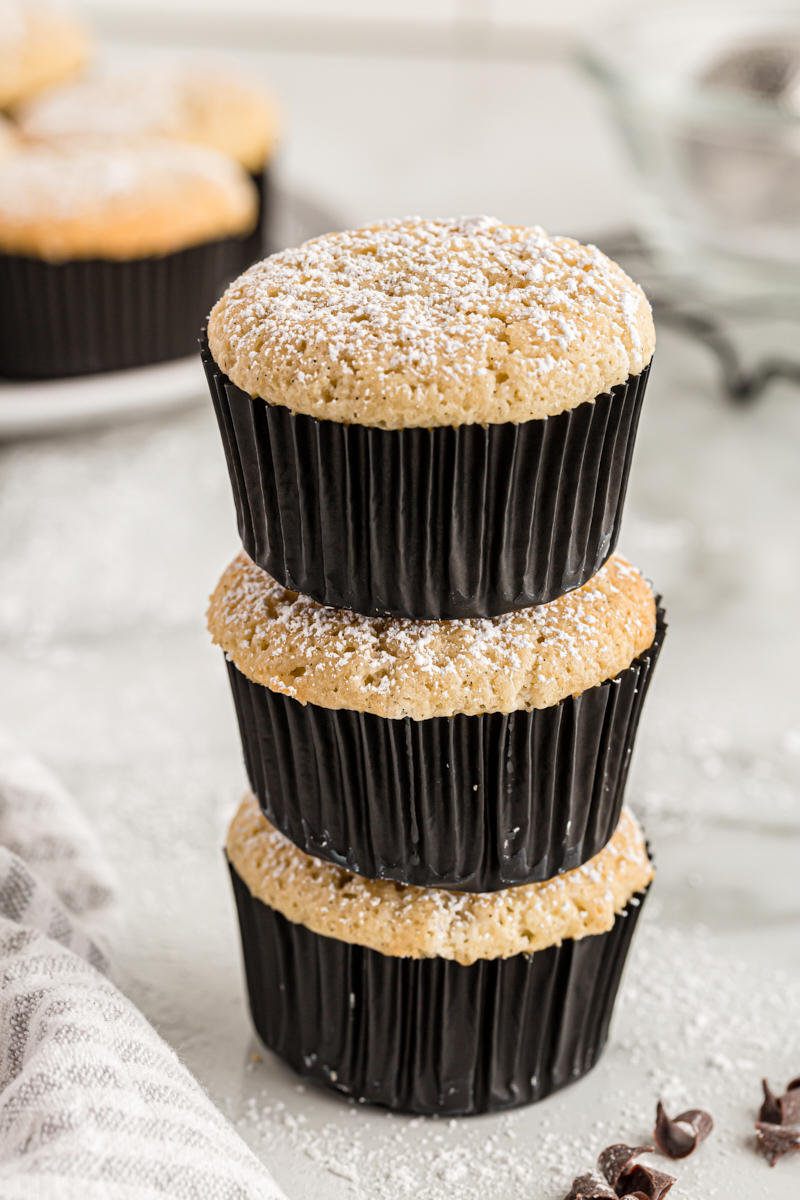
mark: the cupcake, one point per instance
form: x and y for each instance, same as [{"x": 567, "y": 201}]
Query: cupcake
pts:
[
  {"x": 110, "y": 256},
  {"x": 469, "y": 755},
  {"x": 425, "y": 1000},
  {"x": 430, "y": 419},
  {"x": 39, "y": 46},
  {"x": 188, "y": 99}
]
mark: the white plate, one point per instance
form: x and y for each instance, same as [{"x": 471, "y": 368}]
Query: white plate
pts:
[{"x": 58, "y": 405}]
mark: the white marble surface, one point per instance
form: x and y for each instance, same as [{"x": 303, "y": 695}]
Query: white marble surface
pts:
[{"x": 109, "y": 544}]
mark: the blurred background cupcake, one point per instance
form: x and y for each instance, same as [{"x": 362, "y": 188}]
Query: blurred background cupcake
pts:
[
  {"x": 112, "y": 253},
  {"x": 39, "y": 46},
  {"x": 200, "y": 100}
]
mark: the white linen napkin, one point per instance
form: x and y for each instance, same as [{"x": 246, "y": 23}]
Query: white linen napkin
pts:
[{"x": 93, "y": 1103}]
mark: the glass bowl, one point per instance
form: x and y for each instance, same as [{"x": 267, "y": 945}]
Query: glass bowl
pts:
[{"x": 707, "y": 98}]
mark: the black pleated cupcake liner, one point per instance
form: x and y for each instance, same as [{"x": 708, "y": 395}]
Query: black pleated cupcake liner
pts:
[
  {"x": 472, "y": 521},
  {"x": 429, "y": 1035},
  {"x": 471, "y": 803},
  {"x": 91, "y": 315}
]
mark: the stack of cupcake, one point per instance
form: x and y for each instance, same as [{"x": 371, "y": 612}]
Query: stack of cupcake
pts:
[{"x": 438, "y": 661}]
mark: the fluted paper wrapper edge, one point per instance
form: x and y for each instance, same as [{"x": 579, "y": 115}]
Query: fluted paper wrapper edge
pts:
[
  {"x": 439, "y": 523},
  {"x": 473, "y": 803},
  {"x": 430, "y": 1036}
]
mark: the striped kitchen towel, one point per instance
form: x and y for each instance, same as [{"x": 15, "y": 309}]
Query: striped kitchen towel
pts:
[{"x": 93, "y": 1104}]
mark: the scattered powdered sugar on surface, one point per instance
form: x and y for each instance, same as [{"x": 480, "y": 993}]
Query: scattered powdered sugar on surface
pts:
[
  {"x": 695, "y": 774},
  {"x": 691, "y": 1027}
]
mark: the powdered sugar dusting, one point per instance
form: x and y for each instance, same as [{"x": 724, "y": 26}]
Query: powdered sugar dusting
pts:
[
  {"x": 405, "y": 920},
  {"x": 419, "y": 322},
  {"x": 396, "y": 667}
]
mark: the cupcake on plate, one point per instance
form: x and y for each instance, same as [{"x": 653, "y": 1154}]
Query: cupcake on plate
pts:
[
  {"x": 429, "y": 1001},
  {"x": 110, "y": 256},
  {"x": 39, "y": 46},
  {"x": 430, "y": 419},
  {"x": 469, "y": 755},
  {"x": 189, "y": 99}
]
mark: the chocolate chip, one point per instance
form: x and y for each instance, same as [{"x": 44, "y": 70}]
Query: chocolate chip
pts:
[
  {"x": 679, "y": 1136},
  {"x": 591, "y": 1187},
  {"x": 781, "y": 1110},
  {"x": 616, "y": 1177},
  {"x": 615, "y": 1159},
  {"x": 790, "y": 1107},
  {"x": 770, "y": 1110},
  {"x": 641, "y": 1181},
  {"x": 777, "y": 1140}
]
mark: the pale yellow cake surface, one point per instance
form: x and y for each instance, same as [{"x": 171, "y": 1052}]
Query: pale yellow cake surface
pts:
[
  {"x": 420, "y": 669},
  {"x": 189, "y": 98},
  {"x": 428, "y": 323},
  {"x": 413, "y": 922},
  {"x": 39, "y": 47},
  {"x": 84, "y": 200}
]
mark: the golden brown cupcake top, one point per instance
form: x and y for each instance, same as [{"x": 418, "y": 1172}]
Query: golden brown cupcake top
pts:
[
  {"x": 192, "y": 99},
  {"x": 413, "y": 922},
  {"x": 39, "y": 46},
  {"x": 396, "y": 668},
  {"x": 427, "y": 323},
  {"x": 84, "y": 200}
]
